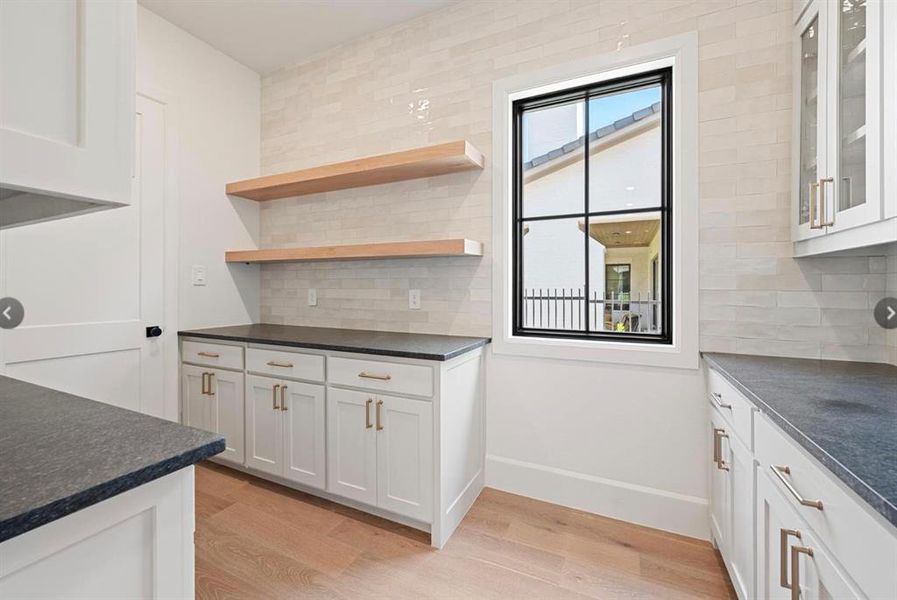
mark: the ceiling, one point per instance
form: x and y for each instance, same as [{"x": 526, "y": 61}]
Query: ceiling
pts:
[
  {"x": 624, "y": 234},
  {"x": 267, "y": 34}
]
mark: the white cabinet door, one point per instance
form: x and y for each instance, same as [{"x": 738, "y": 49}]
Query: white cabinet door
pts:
[
  {"x": 819, "y": 577},
  {"x": 227, "y": 412},
  {"x": 809, "y": 111},
  {"x": 742, "y": 513},
  {"x": 889, "y": 100},
  {"x": 303, "y": 433},
  {"x": 196, "y": 403},
  {"x": 719, "y": 484},
  {"x": 264, "y": 428},
  {"x": 351, "y": 445},
  {"x": 405, "y": 456},
  {"x": 67, "y": 98},
  {"x": 778, "y": 528}
]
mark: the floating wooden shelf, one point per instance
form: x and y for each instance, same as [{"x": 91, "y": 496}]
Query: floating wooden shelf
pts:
[
  {"x": 373, "y": 170},
  {"x": 422, "y": 249}
]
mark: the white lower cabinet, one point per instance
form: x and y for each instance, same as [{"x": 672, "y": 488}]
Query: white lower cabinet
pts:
[
  {"x": 285, "y": 429},
  {"x": 380, "y": 451},
  {"x": 212, "y": 399}
]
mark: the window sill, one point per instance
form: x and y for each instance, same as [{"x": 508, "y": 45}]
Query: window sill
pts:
[{"x": 599, "y": 351}]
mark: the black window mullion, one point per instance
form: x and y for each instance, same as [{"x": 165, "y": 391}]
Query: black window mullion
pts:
[{"x": 585, "y": 146}]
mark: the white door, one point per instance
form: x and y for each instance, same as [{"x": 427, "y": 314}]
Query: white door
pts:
[
  {"x": 351, "y": 445},
  {"x": 778, "y": 529},
  {"x": 197, "y": 402},
  {"x": 809, "y": 125},
  {"x": 91, "y": 285},
  {"x": 264, "y": 428},
  {"x": 719, "y": 484},
  {"x": 742, "y": 513},
  {"x": 303, "y": 433},
  {"x": 405, "y": 456},
  {"x": 889, "y": 101},
  {"x": 819, "y": 576},
  {"x": 226, "y": 389}
]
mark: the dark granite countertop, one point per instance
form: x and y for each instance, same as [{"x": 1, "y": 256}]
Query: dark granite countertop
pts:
[
  {"x": 384, "y": 343},
  {"x": 843, "y": 413},
  {"x": 60, "y": 453}
]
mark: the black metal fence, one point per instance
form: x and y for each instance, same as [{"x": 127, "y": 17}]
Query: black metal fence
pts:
[{"x": 565, "y": 309}]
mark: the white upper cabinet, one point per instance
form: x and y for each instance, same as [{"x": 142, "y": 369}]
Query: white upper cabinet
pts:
[
  {"x": 840, "y": 100},
  {"x": 67, "y": 106}
]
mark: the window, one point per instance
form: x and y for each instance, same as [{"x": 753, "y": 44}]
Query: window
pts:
[{"x": 591, "y": 210}]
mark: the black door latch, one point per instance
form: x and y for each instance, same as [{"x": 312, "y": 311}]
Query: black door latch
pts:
[{"x": 153, "y": 331}]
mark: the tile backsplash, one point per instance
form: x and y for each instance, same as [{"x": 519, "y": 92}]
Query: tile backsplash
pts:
[{"x": 429, "y": 80}]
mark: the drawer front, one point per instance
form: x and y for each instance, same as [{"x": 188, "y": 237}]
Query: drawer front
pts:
[
  {"x": 865, "y": 548},
  {"x": 214, "y": 355},
  {"x": 290, "y": 365},
  {"x": 735, "y": 408},
  {"x": 378, "y": 375}
]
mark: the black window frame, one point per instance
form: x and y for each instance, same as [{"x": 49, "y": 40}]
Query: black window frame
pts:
[{"x": 662, "y": 77}]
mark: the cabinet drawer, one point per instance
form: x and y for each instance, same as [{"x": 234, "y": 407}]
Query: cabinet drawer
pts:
[
  {"x": 282, "y": 363},
  {"x": 863, "y": 546},
  {"x": 734, "y": 407},
  {"x": 378, "y": 375},
  {"x": 214, "y": 355}
]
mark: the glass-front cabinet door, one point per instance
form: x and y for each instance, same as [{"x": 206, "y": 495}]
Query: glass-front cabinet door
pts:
[
  {"x": 850, "y": 190},
  {"x": 809, "y": 119}
]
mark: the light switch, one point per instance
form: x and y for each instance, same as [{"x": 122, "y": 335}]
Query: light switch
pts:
[
  {"x": 414, "y": 299},
  {"x": 198, "y": 275},
  {"x": 312, "y": 297}
]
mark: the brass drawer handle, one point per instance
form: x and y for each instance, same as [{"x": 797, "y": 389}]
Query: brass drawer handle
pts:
[
  {"x": 780, "y": 472},
  {"x": 285, "y": 365},
  {"x": 823, "y": 207},
  {"x": 795, "y": 569},
  {"x": 211, "y": 392},
  {"x": 379, "y": 405},
  {"x": 366, "y": 375},
  {"x": 783, "y": 555},
  {"x": 812, "y": 198},
  {"x": 283, "y": 399},
  {"x": 367, "y": 413},
  {"x": 209, "y": 354},
  {"x": 205, "y": 388},
  {"x": 274, "y": 396},
  {"x": 718, "y": 400},
  {"x": 718, "y": 435}
]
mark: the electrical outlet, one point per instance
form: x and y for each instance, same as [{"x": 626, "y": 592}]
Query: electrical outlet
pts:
[
  {"x": 312, "y": 297},
  {"x": 198, "y": 275},
  {"x": 414, "y": 299}
]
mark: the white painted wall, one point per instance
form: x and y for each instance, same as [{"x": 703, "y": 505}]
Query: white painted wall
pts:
[{"x": 216, "y": 104}]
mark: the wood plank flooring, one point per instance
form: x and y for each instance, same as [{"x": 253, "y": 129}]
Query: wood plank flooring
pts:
[{"x": 255, "y": 539}]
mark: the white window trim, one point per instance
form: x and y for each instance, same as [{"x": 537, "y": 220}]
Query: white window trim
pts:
[{"x": 680, "y": 52}]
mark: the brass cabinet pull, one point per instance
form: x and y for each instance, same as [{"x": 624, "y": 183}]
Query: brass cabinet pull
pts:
[
  {"x": 796, "y": 551},
  {"x": 379, "y": 405},
  {"x": 813, "y": 198},
  {"x": 367, "y": 413},
  {"x": 209, "y": 354},
  {"x": 274, "y": 395},
  {"x": 285, "y": 365},
  {"x": 366, "y": 375},
  {"x": 204, "y": 388},
  {"x": 283, "y": 398},
  {"x": 783, "y": 555},
  {"x": 780, "y": 472},
  {"x": 718, "y": 400},
  {"x": 718, "y": 435},
  {"x": 822, "y": 205},
  {"x": 211, "y": 393}
]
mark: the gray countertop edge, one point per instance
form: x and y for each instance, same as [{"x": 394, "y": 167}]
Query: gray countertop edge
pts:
[
  {"x": 337, "y": 347},
  {"x": 875, "y": 500},
  {"x": 42, "y": 515}
]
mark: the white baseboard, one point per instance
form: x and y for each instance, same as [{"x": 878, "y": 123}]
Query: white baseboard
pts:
[{"x": 660, "y": 509}]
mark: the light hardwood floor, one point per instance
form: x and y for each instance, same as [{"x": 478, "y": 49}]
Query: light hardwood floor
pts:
[{"x": 255, "y": 539}]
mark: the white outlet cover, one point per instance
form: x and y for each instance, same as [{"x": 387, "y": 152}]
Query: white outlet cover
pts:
[
  {"x": 312, "y": 297},
  {"x": 198, "y": 275},
  {"x": 414, "y": 299}
]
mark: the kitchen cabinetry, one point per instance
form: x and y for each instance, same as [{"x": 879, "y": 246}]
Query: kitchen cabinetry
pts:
[
  {"x": 212, "y": 399},
  {"x": 777, "y": 516},
  {"x": 76, "y": 119},
  {"x": 399, "y": 437},
  {"x": 838, "y": 139},
  {"x": 285, "y": 429}
]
